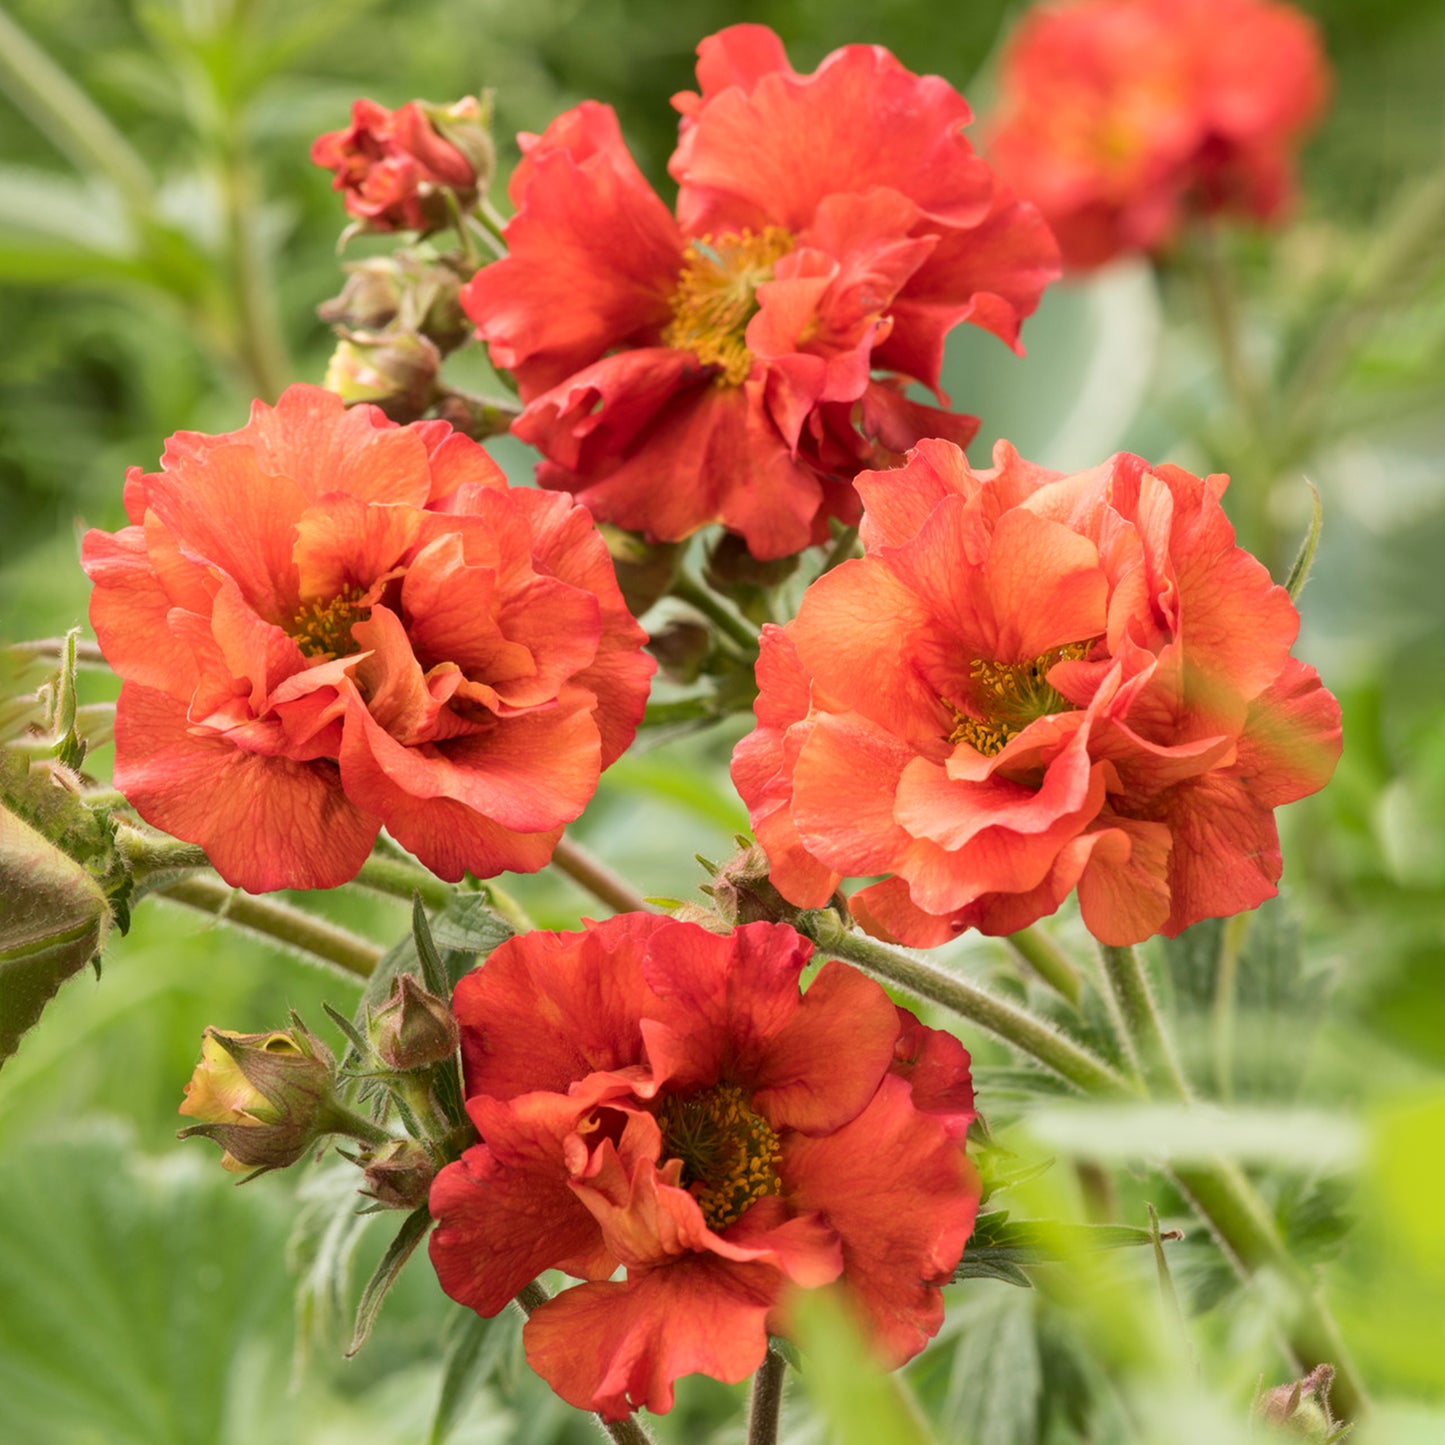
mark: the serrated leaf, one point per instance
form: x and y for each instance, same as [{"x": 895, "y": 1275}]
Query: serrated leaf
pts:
[
  {"x": 468, "y": 925},
  {"x": 476, "y": 1349},
  {"x": 411, "y": 1234},
  {"x": 985, "y": 1264},
  {"x": 432, "y": 972},
  {"x": 995, "y": 1387}
]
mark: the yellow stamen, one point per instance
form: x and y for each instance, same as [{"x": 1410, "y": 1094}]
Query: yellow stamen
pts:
[
  {"x": 1008, "y": 696},
  {"x": 729, "y": 1155},
  {"x": 715, "y": 297},
  {"x": 323, "y": 629}
]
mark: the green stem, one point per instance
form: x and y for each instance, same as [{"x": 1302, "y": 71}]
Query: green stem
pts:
[
  {"x": 691, "y": 591},
  {"x": 1231, "y": 940},
  {"x": 1015, "y": 1026},
  {"x": 401, "y": 879},
  {"x": 629, "y": 1431},
  {"x": 151, "y": 855},
  {"x": 1144, "y": 1029},
  {"x": 52, "y": 649},
  {"x": 1049, "y": 961},
  {"x": 842, "y": 550},
  {"x": 68, "y": 116},
  {"x": 343, "y": 1121},
  {"x": 589, "y": 872},
  {"x": 767, "y": 1400},
  {"x": 304, "y": 934},
  {"x": 502, "y": 903}
]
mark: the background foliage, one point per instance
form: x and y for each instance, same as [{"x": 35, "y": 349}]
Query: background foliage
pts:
[{"x": 163, "y": 242}]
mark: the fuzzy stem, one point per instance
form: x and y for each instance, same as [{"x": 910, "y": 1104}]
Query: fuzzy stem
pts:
[
  {"x": 400, "y": 879},
  {"x": 1143, "y": 1026},
  {"x": 302, "y": 933},
  {"x": 628, "y": 1431},
  {"x": 767, "y": 1400},
  {"x": 1015, "y": 1026},
  {"x": 52, "y": 649},
  {"x": 591, "y": 873},
  {"x": 691, "y": 591},
  {"x": 1049, "y": 961}
]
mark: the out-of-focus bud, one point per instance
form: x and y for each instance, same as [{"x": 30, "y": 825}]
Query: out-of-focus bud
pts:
[
  {"x": 681, "y": 648},
  {"x": 467, "y": 125},
  {"x": 732, "y": 570},
  {"x": 413, "y": 1029},
  {"x": 53, "y": 921},
  {"x": 1302, "y": 1408},
  {"x": 264, "y": 1098},
  {"x": 399, "y": 1174},
  {"x": 645, "y": 570},
  {"x": 409, "y": 291},
  {"x": 744, "y": 893},
  {"x": 395, "y": 370}
]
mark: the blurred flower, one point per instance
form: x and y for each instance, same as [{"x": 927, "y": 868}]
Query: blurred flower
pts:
[
  {"x": 657, "y": 1097},
  {"x": 720, "y": 366},
  {"x": 1119, "y": 117},
  {"x": 1032, "y": 682},
  {"x": 264, "y": 1098},
  {"x": 327, "y": 623},
  {"x": 395, "y": 167}
]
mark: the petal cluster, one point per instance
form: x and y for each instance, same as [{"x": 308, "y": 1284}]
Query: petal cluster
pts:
[
  {"x": 1117, "y": 117},
  {"x": 655, "y": 1098},
  {"x": 327, "y": 623},
  {"x": 741, "y": 361},
  {"x": 393, "y": 166},
  {"x": 1032, "y": 683}
]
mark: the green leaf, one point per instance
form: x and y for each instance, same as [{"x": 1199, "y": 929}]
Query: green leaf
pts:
[
  {"x": 469, "y": 925},
  {"x": 475, "y": 1351},
  {"x": 995, "y": 1387},
  {"x": 1000, "y": 1249},
  {"x": 1299, "y": 572},
  {"x": 411, "y": 1234}
]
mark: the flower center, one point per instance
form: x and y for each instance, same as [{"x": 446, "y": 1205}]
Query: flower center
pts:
[
  {"x": 729, "y": 1155},
  {"x": 715, "y": 297},
  {"x": 323, "y": 629},
  {"x": 1011, "y": 695}
]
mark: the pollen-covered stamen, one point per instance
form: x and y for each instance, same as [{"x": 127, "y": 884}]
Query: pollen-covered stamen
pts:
[
  {"x": 1008, "y": 696},
  {"x": 729, "y": 1155},
  {"x": 322, "y": 629},
  {"x": 716, "y": 296}
]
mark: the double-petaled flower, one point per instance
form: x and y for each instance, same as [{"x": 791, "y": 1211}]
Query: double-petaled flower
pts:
[
  {"x": 741, "y": 361},
  {"x": 1118, "y": 118},
  {"x": 656, "y": 1098},
  {"x": 1031, "y": 683},
  {"x": 327, "y": 623}
]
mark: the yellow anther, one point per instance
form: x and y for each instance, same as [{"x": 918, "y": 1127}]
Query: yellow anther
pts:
[
  {"x": 1016, "y": 694},
  {"x": 323, "y": 629},
  {"x": 715, "y": 297},
  {"x": 729, "y": 1155}
]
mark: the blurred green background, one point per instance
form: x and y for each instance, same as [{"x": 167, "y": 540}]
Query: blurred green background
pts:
[{"x": 163, "y": 243}]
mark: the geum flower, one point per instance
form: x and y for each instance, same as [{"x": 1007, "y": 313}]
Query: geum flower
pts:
[
  {"x": 738, "y": 364},
  {"x": 327, "y": 623},
  {"x": 1118, "y": 118},
  {"x": 656, "y": 1097},
  {"x": 395, "y": 167},
  {"x": 1029, "y": 683}
]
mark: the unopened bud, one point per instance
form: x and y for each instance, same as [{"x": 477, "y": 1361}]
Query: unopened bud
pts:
[
  {"x": 744, "y": 892},
  {"x": 645, "y": 570},
  {"x": 395, "y": 370},
  {"x": 732, "y": 570},
  {"x": 264, "y": 1098},
  {"x": 467, "y": 125},
  {"x": 681, "y": 648},
  {"x": 399, "y": 1174},
  {"x": 1302, "y": 1408},
  {"x": 413, "y": 1029},
  {"x": 405, "y": 290}
]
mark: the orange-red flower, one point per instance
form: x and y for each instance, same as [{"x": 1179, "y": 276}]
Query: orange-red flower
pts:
[
  {"x": 655, "y": 1097},
  {"x": 1030, "y": 683},
  {"x": 741, "y": 362},
  {"x": 1119, "y": 117},
  {"x": 395, "y": 166},
  {"x": 327, "y": 623}
]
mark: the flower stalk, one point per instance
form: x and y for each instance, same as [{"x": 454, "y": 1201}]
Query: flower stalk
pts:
[
  {"x": 592, "y": 874},
  {"x": 766, "y": 1405}
]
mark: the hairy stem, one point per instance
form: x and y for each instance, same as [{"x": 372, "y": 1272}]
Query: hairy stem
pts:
[
  {"x": 399, "y": 878},
  {"x": 1049, "y": 961},
  {"x": 304, "y": 934},
  {"x": 1017, "y": 1027},
  {"x": 766, "y": 1406},
  {"x": 591, "y": 873},
  {"x": 730, "y": 623}
]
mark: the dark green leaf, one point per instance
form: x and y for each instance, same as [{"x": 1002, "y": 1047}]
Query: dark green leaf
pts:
[
  {"x": 432, "y": 972},
  {"x": 469, "y": 925},
  {"x": 411, "y": 1234}
]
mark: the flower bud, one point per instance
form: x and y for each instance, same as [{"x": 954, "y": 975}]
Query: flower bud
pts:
[
  {"x": 645, "y": 570},
  {"x": 733, "y": 570},
  {"x": 744, "y": 893},
  {"x": 1301, "y": 1408},
  {"x": 467, "y": 126},
  {"x": 681, "y": 648},
  {"x": 264, "y": 1098},
  {"x": 395, "y": 370},
  {"x": 405, "y": 290},
  {"x": 399, "y": 1174},
  {"x": 413, "y": 1029}
]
